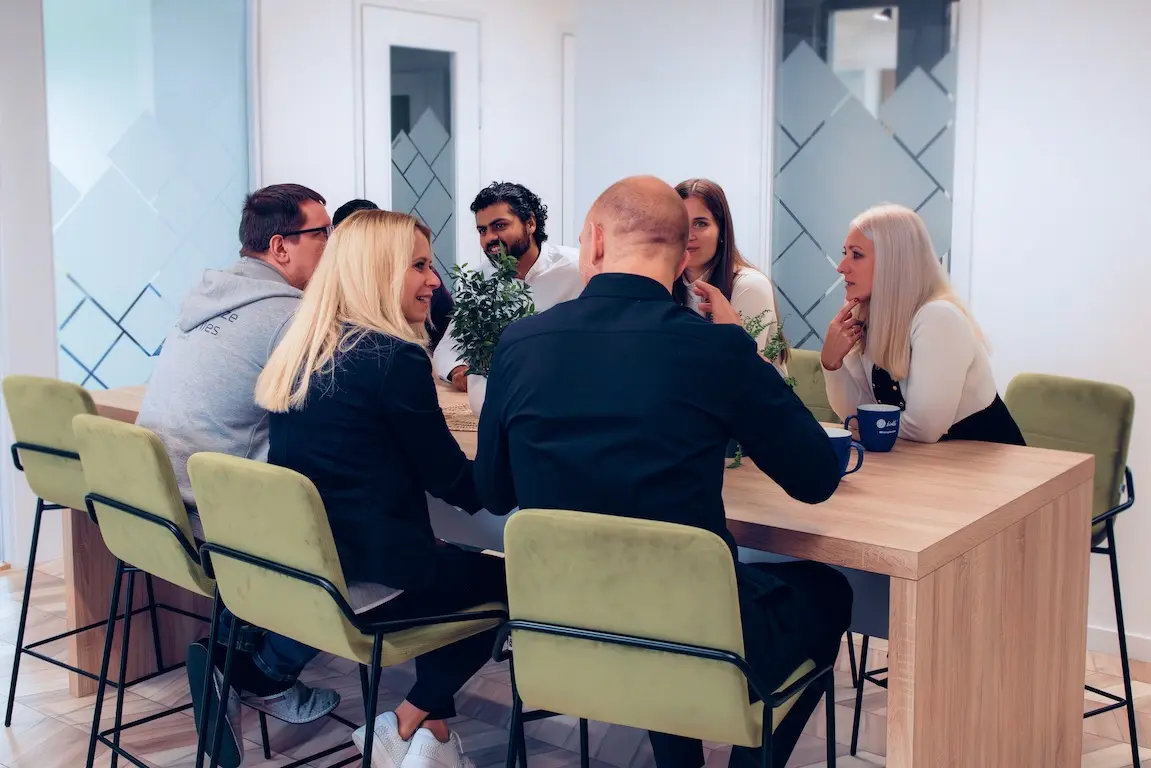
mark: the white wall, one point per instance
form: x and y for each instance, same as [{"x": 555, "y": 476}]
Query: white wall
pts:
[
  {"x": 307, "y": 112},
  {"x": 27, "y": 308},
  {"x": 1059, "y": 269},
  {"x": 674, "y": 89}
]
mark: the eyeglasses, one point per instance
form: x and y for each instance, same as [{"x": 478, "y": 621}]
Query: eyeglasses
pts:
[{"x": 325, "y": 231}]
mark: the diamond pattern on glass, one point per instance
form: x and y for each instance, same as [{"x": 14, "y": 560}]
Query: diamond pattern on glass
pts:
[
  {"x": 429, "y": 135},
  {"x": 147, "y": 182},
  {"x": 936, "y": 215},
  {"x": 403, "y": 151},
  {"x": 850, "y": 165},
  {"x": 435, "y": 207},
  {"x": 917, "y": 111},
  {"x": 939, "y": 158},
  {"x": 808, "y": 92},
  {"x": 418, "y": 175},
  {"x": 803, "y": 273},
  {"x": 947, "y": 71}
]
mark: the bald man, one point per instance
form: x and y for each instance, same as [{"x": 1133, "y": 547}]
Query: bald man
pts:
[{"x": 621, "y": 402}]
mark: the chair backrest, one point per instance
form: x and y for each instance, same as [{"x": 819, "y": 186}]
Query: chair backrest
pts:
[
  {"x": 41, "y": 411},
  {"x": 275, "y": 514},
  {"x": 804, "y": 366},
  {"x": 128, "y": 465},
  {"x": 641, "y": 578},
  {"x": 1077, "y": 415}
]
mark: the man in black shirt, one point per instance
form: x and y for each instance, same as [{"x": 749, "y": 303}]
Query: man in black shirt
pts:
[{"x": 622, "y": 402}]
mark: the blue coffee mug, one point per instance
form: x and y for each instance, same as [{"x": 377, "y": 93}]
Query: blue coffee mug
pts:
[
  {"x": 843, "y": 444},
  {"x": 878, "y": 426}
]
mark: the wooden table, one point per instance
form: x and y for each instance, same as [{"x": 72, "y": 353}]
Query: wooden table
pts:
[{"x": 987, "y": 549}]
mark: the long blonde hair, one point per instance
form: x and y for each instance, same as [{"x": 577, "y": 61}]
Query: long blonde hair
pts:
[
  {"x": 356, "y": 288},
  {"x": 907, "y": 275}
]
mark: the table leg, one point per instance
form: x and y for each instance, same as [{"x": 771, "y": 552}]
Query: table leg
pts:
[{"x": 986, "y": 653}]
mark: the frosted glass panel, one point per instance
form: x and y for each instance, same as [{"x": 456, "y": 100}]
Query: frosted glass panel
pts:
[
  {"x": 148, "y": 142},
  {"x": 423, "y": 153},
  {"x": 866, "y": 103}
]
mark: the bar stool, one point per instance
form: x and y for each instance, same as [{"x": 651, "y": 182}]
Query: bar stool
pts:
[
  {"x": 41, "y": 411},
  {"x": 133, "y": 497},
  {"x": 657, "y": 646},
  {"x": 1069, "y": 414},
  {"x": 270, "y": 548}
]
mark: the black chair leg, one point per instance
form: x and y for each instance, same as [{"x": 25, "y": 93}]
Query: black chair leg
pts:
[
  {"x": 1113, "y": 556},
  {"x": 515, "y": 728},
  {"x": 213, "y": 637},
  {"x": 24, "y": 612},
  {"x": 859, "y": 683},
  {"x": 364, "y": 686},
  {"x": 225, "y": 692},
  {"x": 373, "y": 694},
  {"x": 156, "y": 644},
  {"x": 124, "y": 638},
  {"x": 830, "y": 705},
  {"x": 851, "y": 657},
  {"x": 105, "y": 659},
  {"x": 264, "y": 736},
  {"x": 584, "y": 749},
  {"x": 766, "y": 745}
]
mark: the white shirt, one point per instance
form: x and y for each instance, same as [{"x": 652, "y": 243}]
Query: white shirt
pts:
[
  {"x": 949, "y": 379},
  {"x": 751, "y": 294},
  {"x": 554, "y": 278}
]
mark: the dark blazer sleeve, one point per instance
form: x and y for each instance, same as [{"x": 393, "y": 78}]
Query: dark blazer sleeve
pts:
[
  {"x": 493, "y": 462},
  {"x": 409, "y": 394},
  {"x": 777, "y": 432}
]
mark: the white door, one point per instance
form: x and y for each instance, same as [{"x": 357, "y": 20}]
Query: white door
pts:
[{"x": 421, "y": 112}]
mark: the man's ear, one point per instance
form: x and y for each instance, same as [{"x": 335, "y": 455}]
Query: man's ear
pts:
[
  {"x": 531, "y": 224},
  {"x": 277, "y": 249},
  {"x": 597, "y": 245}
]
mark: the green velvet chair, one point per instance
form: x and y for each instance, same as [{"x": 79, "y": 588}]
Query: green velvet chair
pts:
[
  {"x": 1070, "y": 414},
  {"x": 133, "y": 497},
  {"x": 636, "y": 623},
  {"x": 269, "y": 546},
  {"x": 41, "y": 411},
  {"x": 804, "y": 366}
]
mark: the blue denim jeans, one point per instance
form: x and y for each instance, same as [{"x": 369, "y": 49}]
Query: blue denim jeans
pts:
[{"x": 278, "y": 657}]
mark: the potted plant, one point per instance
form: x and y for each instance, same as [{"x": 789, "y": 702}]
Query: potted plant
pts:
[
  {"x": 485, "y": 306},
  {"x": 775, "y": 349}
]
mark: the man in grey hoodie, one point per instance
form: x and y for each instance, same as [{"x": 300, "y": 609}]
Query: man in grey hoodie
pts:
[{"x": 201, "y": 398}]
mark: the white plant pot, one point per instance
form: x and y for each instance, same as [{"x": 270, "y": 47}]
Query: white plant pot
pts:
[{"x": 477, "y": 387}]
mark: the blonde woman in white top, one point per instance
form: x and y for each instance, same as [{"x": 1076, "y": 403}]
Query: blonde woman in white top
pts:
[
  {"x": 712, "y": 258},
  {"x": 904, "y": 338}
]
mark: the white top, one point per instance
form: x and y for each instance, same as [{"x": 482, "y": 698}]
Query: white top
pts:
[
  {"x": 751, "y": 295},
  {"x": 554, "y": 278},
  {"x": 949, "y": 379}
]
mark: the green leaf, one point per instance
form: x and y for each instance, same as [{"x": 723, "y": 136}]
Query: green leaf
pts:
[{"x": 485, "y": 306}]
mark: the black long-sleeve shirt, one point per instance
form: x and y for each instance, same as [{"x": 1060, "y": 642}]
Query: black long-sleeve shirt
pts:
[
  {"x": 621, "y": 402},
  {"x": 373, "y": 439}
]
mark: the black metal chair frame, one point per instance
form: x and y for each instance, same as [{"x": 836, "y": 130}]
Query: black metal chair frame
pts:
[
  {"x": 517, "y": 747},
  {"x": 122, "y": 569},
  {"x": 28, "y": 649},
  {"x": 369, "y": 679},
  {"x": 865, "y": 675}
]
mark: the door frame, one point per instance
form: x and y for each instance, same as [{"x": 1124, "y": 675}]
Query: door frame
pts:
[{"x": 372, "y": 76}]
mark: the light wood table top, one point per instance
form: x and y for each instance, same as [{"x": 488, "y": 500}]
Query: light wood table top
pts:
[{"x": 903, "y": 514}]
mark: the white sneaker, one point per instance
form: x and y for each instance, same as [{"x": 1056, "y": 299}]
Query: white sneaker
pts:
[
  {"x": 388, "y": 749},
  {"x": 426, "y": 751}
]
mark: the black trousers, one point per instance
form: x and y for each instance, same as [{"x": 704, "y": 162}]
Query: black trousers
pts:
[
  {"x": 463, "y": 579},
  {"x": 806, "y": 620}
]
